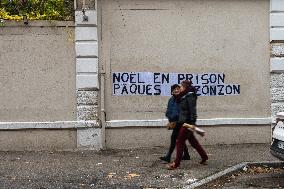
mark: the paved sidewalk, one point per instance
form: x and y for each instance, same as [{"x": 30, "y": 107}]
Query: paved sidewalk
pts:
[{"x": 137, "y": 168}]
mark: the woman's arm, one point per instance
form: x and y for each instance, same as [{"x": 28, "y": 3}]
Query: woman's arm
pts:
[
  {"x": 168, "y": 109},
  {"x": 191, "y": 103}
]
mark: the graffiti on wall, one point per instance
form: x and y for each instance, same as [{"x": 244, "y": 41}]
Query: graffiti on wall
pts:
[{"x": 155, "y": 83}]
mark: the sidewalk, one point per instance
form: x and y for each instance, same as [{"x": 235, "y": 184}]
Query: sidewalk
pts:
[{"x": 138, "y": 168}]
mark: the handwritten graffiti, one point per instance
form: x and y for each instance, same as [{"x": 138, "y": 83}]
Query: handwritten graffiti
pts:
[{"x": 153, "y": 83}]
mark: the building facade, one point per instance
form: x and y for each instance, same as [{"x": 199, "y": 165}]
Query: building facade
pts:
[{"x": 103, "y": 81}]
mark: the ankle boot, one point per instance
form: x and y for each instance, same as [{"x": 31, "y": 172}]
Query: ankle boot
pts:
[
  {"x": 186, "y": 157},
  {"x": 165, "y": 158}
]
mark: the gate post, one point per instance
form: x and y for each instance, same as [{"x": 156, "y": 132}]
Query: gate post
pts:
[{"x": 87, "y": 81}]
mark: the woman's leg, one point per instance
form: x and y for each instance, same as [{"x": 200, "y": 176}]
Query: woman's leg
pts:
[
  {"x": 195, "y": 144},
  {"x": 174, "y": 136},
  {"x": 173, "y": 142},
  {"x": 180, "y": 143},
  {"x": 186, "y": 155}
]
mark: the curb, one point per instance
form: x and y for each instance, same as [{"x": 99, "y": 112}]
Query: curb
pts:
[{"x": 232, "y": 170}]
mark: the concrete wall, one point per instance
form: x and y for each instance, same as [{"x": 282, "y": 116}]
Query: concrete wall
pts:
[
  {"x": 40, "y": 139},
  {"x": 230, "y": 37},
  {"x": 37, "y": 72},
  {"x": 38, "y": 86},
  {"x": 117, "y": 138}
]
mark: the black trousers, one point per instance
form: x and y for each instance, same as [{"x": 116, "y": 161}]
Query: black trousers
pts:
[{"x": 173, "y": 143}]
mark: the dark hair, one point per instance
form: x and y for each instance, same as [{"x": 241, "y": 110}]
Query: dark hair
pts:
[
  {"x": 187, "y": 84},
  {"x": 173, "y": 87}
]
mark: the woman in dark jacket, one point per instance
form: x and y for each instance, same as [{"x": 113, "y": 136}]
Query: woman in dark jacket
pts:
[
  {"x": 187, "y": 101},
  {"x": 172, "y": 114}
]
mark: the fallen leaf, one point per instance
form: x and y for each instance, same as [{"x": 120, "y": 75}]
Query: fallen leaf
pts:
[
  {"x": 133, "y": 175},
  {"x": 259, "y": 170},
  {"x": 111, "y": 175}
]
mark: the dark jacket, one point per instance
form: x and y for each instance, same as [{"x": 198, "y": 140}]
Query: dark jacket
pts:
[
  {"x": 188, "y": 108},
  {"x": 173, "y": 110}
]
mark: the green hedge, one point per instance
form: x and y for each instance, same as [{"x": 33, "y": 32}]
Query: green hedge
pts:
[{"x": 37, "y": 9}]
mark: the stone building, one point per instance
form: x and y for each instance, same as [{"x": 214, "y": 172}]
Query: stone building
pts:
[{"x": 103, "y": 80}]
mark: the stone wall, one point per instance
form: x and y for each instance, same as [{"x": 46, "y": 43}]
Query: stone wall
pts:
[{"x": 277, "y": 56}]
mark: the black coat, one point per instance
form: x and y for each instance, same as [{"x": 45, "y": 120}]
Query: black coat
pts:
[{"x": 188, "y": 109}]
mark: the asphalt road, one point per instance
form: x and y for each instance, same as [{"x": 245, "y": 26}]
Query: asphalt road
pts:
[{"x": 137, "y": 168}]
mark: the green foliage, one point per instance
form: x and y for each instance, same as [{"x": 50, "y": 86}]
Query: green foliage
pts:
[{"x": 37, "y": 9}]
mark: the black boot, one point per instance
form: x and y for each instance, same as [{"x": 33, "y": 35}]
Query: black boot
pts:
[
  {"x": 186, "y": 157},
  {"x": 166, "y": 158}
]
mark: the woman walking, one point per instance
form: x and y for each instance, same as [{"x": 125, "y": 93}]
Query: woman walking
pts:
[
  {"x": 172, "y": 114},
  {"x": 187, "y": 102}
]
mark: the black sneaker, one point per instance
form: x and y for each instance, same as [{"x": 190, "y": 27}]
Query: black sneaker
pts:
[
  {"x": 165, "y": 158},
  {"x": 185, "y": 157}
]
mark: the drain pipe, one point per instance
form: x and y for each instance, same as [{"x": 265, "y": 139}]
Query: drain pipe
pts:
[
  {"x": 102, "y": 74},
  {"x": 103, "y": 112}
]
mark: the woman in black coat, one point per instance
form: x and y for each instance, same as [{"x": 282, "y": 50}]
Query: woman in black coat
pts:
[{"x": 187, "y": 102}]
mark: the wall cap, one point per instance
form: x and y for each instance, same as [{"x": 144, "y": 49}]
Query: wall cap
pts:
[
  {"x": 38, "y": 23},
  {"x": 49, "y": 125},
  {"x": 202, "y": 122}
]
